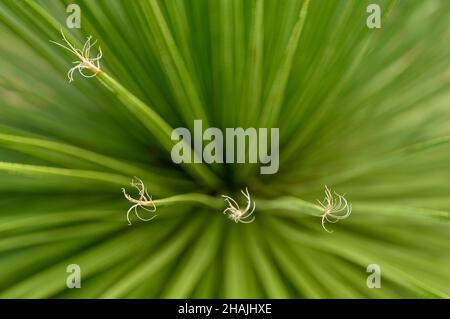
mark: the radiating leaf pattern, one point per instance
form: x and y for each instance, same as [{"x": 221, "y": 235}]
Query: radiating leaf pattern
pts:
[{"x": 364, "y": 111}]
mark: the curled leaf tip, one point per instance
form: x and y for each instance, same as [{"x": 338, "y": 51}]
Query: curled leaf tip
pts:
[
  {"x": 237, "y": 214},
  {"x": 85, "y": 61},
  {"x": 144, "y": 200},
  {"x": 335, "y": 208}
]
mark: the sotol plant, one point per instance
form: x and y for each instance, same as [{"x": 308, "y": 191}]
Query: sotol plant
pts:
[{"x": 364, "y": 111}]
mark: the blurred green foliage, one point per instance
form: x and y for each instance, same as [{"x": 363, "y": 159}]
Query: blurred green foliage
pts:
[{"x": 364, "y": 111}]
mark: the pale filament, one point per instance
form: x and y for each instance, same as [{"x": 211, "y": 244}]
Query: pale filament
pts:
[
  {"x": 144, "y": 201},
  {"x": 85, "y": 61},
  {"x": 334, "y": 209},
  {"x": 237, "y": 214}
]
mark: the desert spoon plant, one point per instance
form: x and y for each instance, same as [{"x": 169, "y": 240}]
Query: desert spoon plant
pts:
[{"x": 364, "y": 111}]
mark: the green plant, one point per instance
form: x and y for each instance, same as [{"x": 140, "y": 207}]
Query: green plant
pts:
[{"x": 364, "y": 111}]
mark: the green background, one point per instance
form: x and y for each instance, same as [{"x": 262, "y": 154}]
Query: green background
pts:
[{"x": 364, "y": 111}]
